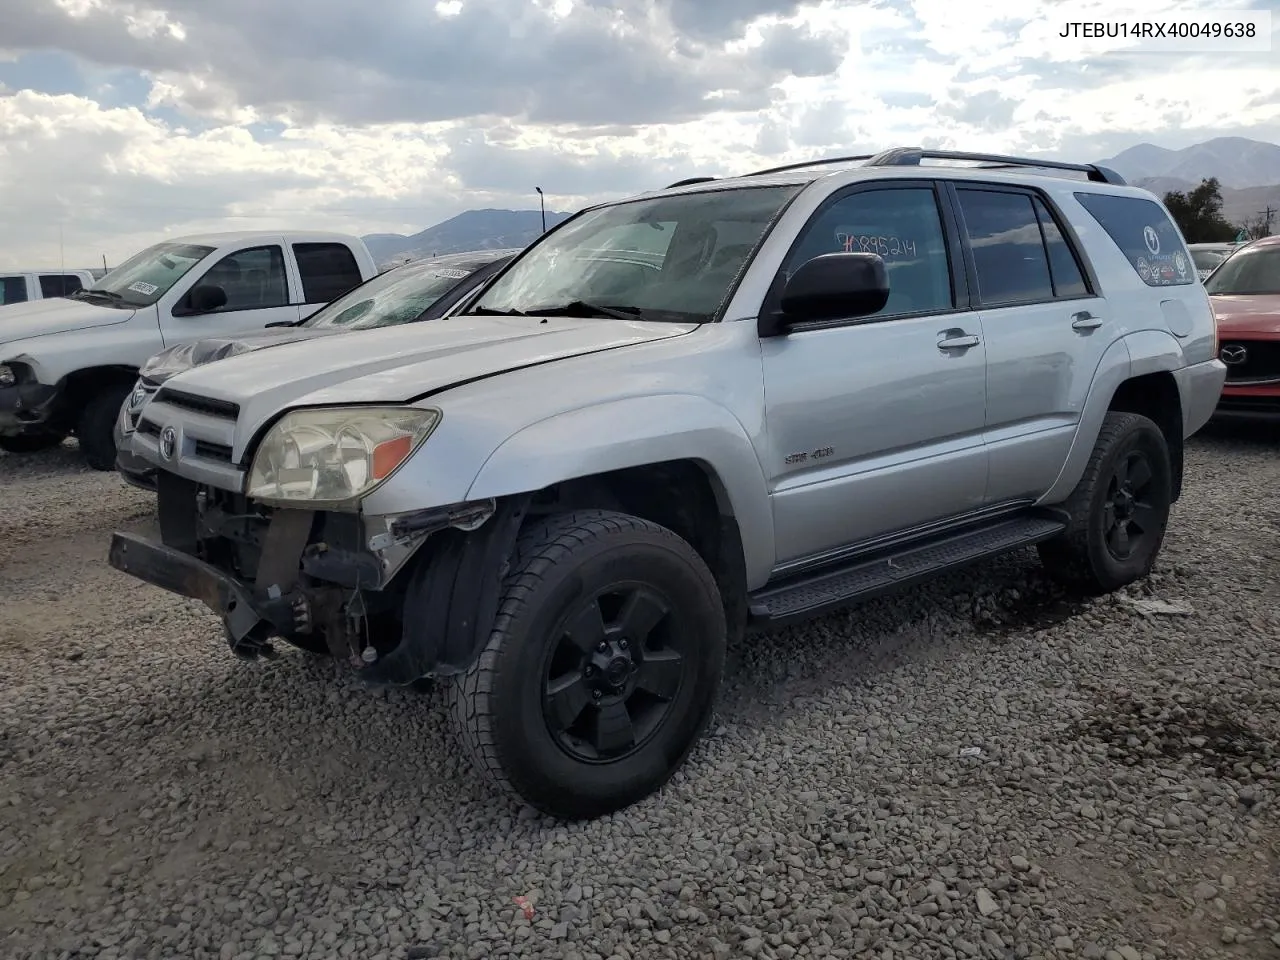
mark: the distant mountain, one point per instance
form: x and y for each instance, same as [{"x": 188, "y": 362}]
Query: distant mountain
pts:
[
  {"x": 1237, "y": 162},
  {"x": 471, "y": 230}
]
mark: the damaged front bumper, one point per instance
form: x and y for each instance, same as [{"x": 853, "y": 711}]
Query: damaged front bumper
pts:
[
  {"x": 328, "y": 582},
  {"x": 248, "y": 619}
]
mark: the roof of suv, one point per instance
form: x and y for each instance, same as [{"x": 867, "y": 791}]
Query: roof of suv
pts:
[{"x": 908, "y": 162}]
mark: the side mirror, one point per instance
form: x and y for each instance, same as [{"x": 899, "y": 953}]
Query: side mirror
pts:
[
  {"x": 203, "y": 298},
  {"x": 832, "y": 286}
]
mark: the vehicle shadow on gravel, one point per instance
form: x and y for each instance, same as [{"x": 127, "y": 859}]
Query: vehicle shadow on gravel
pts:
[
  {"x": 1229, "y": 437},
  {"x": 59, "y": 461},
  {"x": 852, "y": 646},
  {"x": 310, "y": 716}
]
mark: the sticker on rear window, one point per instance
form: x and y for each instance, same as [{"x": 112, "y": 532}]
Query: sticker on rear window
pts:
[
  {"x": 146, "y": 289},
  {"x": 450, "y": 274},
  {"x": 1145, "y": 235}
]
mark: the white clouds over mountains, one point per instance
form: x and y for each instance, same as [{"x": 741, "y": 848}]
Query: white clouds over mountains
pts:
[{"x": 123, "y": 119}]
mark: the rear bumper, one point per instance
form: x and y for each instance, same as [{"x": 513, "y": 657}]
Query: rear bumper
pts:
[
  {"x": 1200, "y": 386},
  {"x": 25, "y": 406}
]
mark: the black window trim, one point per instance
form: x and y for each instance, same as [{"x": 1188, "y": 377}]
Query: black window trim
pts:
[
  {"x": 1068, "y": 234},
  {"x": 221, "y": 311},
  {"x": 1073, "y": 247},
  {"x": 960, "y": 294}
]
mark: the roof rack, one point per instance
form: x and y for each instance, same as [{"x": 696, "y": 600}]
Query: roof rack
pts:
[
  {"x": 688, "y": 180},
  {"x": 808, "y": 163},
  {"x": 911, "y": 157}
]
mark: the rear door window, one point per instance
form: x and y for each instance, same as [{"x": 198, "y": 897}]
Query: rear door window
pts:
[
  {"x": 1068, "y": 279},
  {"x": 59, "y": 284},
  {"x": 1008, "y": 249},
  {"x": 328, "y": 270},
  {"x": 1145, "y": 235},
  {"x": 13, "y": 289}
]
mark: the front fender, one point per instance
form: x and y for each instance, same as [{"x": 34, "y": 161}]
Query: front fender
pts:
[
  {"x": 635, "y": 432},
  {"x": 1134, "y": 355},
  {"x": 55, "y": 356}
]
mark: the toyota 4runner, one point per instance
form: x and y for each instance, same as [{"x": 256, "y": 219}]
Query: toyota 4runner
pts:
[{"x": 729, "y": 402}]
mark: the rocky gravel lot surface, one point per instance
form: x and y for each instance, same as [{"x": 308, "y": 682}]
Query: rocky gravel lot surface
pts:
[{"x": 981, "y": 769}]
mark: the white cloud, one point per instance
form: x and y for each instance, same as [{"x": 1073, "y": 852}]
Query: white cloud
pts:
[{"x": 201, "y": 150}]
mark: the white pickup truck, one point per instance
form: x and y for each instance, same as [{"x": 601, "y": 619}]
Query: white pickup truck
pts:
[
  {"x": 67, "y": 364},
  {"x": 23, "y": 286}
]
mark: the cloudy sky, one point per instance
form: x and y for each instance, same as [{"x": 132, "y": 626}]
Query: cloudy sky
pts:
[{"x": 125, "y": 120}]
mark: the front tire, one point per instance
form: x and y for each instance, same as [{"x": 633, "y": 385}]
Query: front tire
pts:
[
  {"x": 1119, "y": 510},
  {"x": 602, "y": 667},
  {"x": 96, "y": 423}
]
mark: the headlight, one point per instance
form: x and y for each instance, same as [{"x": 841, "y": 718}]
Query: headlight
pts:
[
  {"x": 335, "y": 455},
  {"x": 7, "y": 377}
]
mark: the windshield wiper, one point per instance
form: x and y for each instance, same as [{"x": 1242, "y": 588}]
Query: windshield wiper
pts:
[
  {"x": 584, "y": 308},
  {"x": 85, "y": 294},
  {"x": 488, "y": 312}
]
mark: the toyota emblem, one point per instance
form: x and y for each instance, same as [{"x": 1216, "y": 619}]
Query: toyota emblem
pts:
[
  {"x": 168, "y": 442},
  {"x": 1234, "y": 354}
]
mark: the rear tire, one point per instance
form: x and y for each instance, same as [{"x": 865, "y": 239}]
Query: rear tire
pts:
[
  {"x": 31, "y": 442},
  {"x": 1119, "y": 510},
  {"x": 602, "y": 667},
  {"x": 96, "y": 423}
]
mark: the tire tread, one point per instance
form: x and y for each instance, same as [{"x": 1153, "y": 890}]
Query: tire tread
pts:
[
  {"x": 1066, "y": 557},
  {"x": 541, "y": 545}
]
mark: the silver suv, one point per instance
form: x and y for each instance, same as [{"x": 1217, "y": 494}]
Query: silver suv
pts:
[{"x": 729, "y": 402}]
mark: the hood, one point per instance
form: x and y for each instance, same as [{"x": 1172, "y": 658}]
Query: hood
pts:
[
  {"x": 397, "y": 364},
  {"x": 21, "y": 321},
  {"x": 1247, "y": 313},
  {"x": 175, "y": 360}
]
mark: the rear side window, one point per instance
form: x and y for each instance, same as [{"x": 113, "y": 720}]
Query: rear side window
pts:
[
  {"x": 13, "y": 289},
  {"x": 1145, "y": 235},
  {"x": 59, "y": 284},
  {"x": 1068, "y": 280},
  {"x": 328, "y": 270},
  {"x": 1008, "y": 249}
]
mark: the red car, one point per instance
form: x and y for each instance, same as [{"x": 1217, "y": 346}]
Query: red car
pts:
[{"x": 1245, "y": 292}]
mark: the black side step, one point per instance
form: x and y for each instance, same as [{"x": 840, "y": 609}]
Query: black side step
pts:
[{"x": 862, "y": 578}]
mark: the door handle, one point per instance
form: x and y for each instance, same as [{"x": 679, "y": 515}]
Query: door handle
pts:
[
  {"x": 961, "y": 342},
  {"x": 1084, "y": 320}
]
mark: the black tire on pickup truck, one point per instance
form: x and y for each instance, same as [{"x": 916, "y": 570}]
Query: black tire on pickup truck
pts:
[
  {"x": 31, "y": 442},
  {"x": 95, "y": 424},
  {"x": 602, "y": 667},
  {"x": 1119, "y": 509}
]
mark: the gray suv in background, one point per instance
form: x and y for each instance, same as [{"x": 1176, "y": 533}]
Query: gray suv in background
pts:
[{"x": 726, "y": 403}]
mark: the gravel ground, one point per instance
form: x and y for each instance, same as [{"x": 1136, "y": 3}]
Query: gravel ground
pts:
[{"x": 982, "y": 769}]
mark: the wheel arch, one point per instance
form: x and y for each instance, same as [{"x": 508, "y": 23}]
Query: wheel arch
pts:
[
  {"x": 78, "y": 387},
  {"x": 1135, "y": 375},
  {"x": 617, "y": 447}
]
